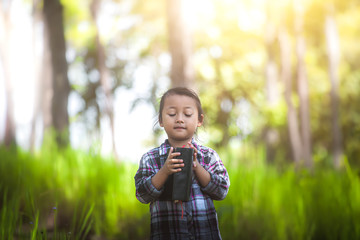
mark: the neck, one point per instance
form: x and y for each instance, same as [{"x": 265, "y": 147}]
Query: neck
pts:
[{"x": 179, "y": 144}]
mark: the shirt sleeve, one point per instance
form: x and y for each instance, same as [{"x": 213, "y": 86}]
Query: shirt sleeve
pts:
[
  {"x": 219, "y": 184},
  {"x": 145, "y": 190}
]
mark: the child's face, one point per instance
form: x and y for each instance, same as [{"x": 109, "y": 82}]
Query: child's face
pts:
[{"x": 180, "y": 119}]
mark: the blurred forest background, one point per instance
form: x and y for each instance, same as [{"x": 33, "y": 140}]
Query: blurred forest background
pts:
[{"x": 279, "y": 82}]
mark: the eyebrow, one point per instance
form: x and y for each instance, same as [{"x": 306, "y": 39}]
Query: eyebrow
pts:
[{"x": 171, "y": 107}]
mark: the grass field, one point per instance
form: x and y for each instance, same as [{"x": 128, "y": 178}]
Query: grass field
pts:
[{"x": 71, "y": 194}]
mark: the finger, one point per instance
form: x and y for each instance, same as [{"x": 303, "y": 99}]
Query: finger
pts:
[
  {"x": 178, "y": 161},
  {"x": 180, "y": 165},
  {"x": 170, "y": 152},
  {"x": 193, "y": 147},
  {"x": 174, "y": 170},
  {"x": 175, "y": 161},
  {"x": 177, "y": 167},
  {"x": 195, "y": 150},
  {"x": 172, "y": 159},
  {"x": 173, "y": 154}
]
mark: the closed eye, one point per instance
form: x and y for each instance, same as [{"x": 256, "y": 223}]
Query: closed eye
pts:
[
  {"x": 171, "y": 115},
  {"x": 188, "y": 115}
]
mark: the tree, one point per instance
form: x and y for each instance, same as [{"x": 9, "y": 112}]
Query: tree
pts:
[
  {"x": 333, "y": 52},
  {"x": 302, "y": 84},
  {"x": 180, "y": 45},
  {"x": 5, "y": 25},
  {"x": 53, "y": 11},
  {"x": 286, "y": 76},
  {"x": 43, "y": 91},
  {"x": 271, "y": 76},
  {"x": 104, "y": 75}
]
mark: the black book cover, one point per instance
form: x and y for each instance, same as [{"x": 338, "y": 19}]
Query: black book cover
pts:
[{"x": 178, "y": 185}]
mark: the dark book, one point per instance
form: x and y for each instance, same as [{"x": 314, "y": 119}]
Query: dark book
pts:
[{"x": 178, "y": 186}]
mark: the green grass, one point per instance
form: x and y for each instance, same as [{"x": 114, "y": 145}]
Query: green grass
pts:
[
  {"x": 267, "y": 203},
  {"x": 71, "y": 194}
]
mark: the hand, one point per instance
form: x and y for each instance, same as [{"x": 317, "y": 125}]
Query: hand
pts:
[
  {"x": 195, "y": 161},
  {"x": 173, "y": 165}
]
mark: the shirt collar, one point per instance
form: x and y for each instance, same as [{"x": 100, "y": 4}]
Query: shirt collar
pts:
[{"x": 164, "y": 148}]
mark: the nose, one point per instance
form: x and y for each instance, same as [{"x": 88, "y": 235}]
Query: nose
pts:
[{"x": 179, "y": 120}]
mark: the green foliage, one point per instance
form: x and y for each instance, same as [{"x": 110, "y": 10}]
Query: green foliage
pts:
[
  {"x": 268, "y": 203},
  {"x": 229, "y": 56},
  {"x": 79, "y": 29},
  {"x": 70, "y": 194}
]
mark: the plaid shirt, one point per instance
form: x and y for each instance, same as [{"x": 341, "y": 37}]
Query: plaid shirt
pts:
[{"x": 199, "y": 219}]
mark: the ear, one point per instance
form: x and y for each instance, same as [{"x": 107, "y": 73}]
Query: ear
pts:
[{"x": 201, "y": 120}]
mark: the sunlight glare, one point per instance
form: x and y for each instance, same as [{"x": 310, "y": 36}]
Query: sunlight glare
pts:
[
  {"x": 251, "y": 20},
  {"x": 251, "y": 15},
  {"x": 195, "y": 12},
  {"x": 213, "y": 32},
  {"x": 21, "y": 58},
  {"x": 216, "y": 51}
]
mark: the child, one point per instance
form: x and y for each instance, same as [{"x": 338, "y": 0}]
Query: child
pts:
[{"x": 180, "y": 115}]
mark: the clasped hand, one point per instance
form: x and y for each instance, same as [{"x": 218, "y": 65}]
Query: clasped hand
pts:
[{"x": 173, "y": 164}]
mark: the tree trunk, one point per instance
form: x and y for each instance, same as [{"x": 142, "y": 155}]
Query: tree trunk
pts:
[
  {"x": 5, "y": 26},
  {"x": 53, "y": 11},
  {"x": 42, "y": 77},
  {"x": 180, "y": 45},
  {"x": 333, "y": 51},
  {"x": 47, "y": 89},
  {"x": 286, "y": 76},
  {"x": 303, "y": 85},
  {"x": 104, "y": 77},
  {"x": 271, "y": 76}
]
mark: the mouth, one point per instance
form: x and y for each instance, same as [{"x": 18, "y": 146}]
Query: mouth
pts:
[{"x": 179, "y": 128}]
